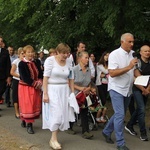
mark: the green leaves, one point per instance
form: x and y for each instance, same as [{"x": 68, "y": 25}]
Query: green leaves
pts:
[{"x": 99, "y": 23}]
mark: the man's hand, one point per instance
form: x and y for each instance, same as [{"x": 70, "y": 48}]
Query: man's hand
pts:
[
  {"x": 145, "y": 91},
  {"x": 8, "y": 80},
  {"x": 133, "y": 62}
]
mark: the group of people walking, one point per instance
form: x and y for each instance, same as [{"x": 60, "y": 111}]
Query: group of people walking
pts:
[{"x": 51, "y": 88}]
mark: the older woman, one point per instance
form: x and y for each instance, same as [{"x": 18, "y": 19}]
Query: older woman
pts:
[
  {"x": 57, "y": 79},
  {"x": 16, "y": 77},
  {"x": 82, "y": 79},
  {"x": 29, "y": 89}
]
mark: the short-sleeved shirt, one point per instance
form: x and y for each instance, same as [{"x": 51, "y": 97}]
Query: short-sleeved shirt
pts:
[
  {"x": 144, "y": 70},
  {"x": 73, "y": 57},
  {"x": 16, "y": 62},
  {"x": 80, "y": 78},
  {"x": 13, "y": 57},
  {"x": 57, "y": 74},
  {"x": 122, "y": 84}
]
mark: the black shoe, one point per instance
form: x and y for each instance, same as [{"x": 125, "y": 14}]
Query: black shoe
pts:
[
  {"x": 23, "y": 124},
  {"x": 130, "y": 130},
  {"x": 30, "y": 128},
  {"x": 108, "y": 138},
  {"x": 17, "y": 117},
  {"x": 8, "y": 104},
  {"x": 122, "y": 148},
  {"x": 143, "y": 136}
]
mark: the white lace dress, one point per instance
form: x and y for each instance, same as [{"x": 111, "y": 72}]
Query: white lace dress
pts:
[{"x": 55, "y": 113}]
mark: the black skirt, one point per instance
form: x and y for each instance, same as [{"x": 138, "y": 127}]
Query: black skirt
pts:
[{"x": 15, "y": 90}]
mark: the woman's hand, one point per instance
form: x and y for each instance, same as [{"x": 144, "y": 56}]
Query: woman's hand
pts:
[
  {"x": 82, "y": 88},
  {"x": 86, "y": 90},
  {"x": 38, "y": 86},
  {"x": 45, "y": 98}
]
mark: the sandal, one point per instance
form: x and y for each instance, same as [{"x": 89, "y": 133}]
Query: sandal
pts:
[{"x": 54, "y": 145}]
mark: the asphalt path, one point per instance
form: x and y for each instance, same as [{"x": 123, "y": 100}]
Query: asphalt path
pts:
[{"x": 40, "y": 140}]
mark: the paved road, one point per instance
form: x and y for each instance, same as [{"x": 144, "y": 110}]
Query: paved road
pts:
[{"x": 39, "y": 140}]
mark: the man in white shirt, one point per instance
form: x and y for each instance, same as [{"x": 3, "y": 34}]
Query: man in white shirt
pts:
[{"x": 121, "y": 70}]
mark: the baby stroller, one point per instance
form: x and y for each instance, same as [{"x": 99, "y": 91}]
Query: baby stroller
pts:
[
  {"x": 93, "y": 111},
  {"x": 94, "y": 105}
]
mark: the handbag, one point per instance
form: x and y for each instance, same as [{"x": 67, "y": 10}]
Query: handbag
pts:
[{"x": 83, "y": 100}]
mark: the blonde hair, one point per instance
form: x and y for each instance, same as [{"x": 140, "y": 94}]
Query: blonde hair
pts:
[
  {"x": 80, "y": 54},
  {"x": 63, "y": 48},
  {"x": 20, "y": 49},
  {"x": 27, "y": 47}
]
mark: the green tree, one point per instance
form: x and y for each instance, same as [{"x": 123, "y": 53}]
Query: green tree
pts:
[{"x": 97, "y": 22}]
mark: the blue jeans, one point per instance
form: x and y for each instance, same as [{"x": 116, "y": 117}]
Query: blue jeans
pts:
[
  {"x": 139, "y": 113},
  {"x": 116, "y": 122}
]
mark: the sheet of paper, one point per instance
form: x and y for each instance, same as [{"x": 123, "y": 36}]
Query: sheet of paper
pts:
[{"x": 142, "y": 80}]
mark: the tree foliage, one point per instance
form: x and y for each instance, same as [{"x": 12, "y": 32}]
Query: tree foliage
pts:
[{"x": 97, "y": 22}]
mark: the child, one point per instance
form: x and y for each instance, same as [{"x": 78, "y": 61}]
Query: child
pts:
[{"x": 97, "y": 106}]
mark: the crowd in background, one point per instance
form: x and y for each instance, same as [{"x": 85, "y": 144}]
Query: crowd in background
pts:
[{"x": 29, "y": 78}]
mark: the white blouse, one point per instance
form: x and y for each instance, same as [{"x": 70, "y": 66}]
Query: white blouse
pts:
[
  {"x": 100, "y": 69},
  {"x": 16, "y": 62}
]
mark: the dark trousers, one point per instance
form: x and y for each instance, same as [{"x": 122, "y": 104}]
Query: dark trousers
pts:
[
  {"x": 15, "y": 90},
  {"x": 132, "y": 105},
  {"x": 7, "y": 94},
  {"x": 139, "y": 113},
  {"x": 84, "y": 120},
  {"x": 2, "y": 87},
  {"x": 102, "y": 91}
]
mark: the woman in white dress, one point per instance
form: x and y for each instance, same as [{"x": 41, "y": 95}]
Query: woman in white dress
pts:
[{"x": 57, "y": 79}]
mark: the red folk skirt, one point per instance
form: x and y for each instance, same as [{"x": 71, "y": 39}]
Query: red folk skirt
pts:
[{"x": 30, "y": 102}]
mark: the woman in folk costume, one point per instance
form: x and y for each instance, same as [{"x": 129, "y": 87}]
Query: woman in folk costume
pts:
[
  {"x": 29, "y": 89},
  {"x": 57, "y": 79}
]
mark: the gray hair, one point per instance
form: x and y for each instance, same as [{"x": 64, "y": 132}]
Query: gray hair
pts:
[{"x": 123, "y": 36}]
